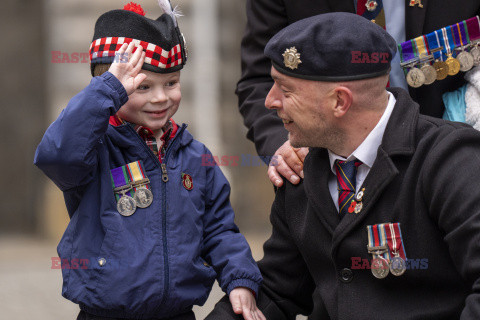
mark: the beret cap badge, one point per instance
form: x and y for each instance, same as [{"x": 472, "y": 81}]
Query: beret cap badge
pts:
[{"x": 291, "y": 58}]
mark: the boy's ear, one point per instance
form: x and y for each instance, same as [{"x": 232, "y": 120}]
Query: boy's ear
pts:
[{"x": 100, "y": 69}]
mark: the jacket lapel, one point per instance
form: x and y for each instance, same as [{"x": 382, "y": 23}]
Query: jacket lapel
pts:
[
  {"x": 398, "y": 139},
  {"x": 414, "y": 19},
  {"x": 317, "y": 168}
]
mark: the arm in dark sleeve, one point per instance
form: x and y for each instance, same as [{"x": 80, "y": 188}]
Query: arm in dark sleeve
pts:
[
  {"x": 287, "y": 286},
  {"x": 224, "y": 247},
  {"x": 265, "y": 129},
  {"x": 450, "y": 186},
  {"x": 67, "y": 153}
]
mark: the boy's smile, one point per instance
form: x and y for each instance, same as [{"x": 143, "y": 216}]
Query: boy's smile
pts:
[{"x": 154, "y": 102}]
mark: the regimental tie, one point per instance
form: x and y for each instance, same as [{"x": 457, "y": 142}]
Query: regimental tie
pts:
[
  {"x": 372, "y": 10},
  {"x": 346, "y": 180}
]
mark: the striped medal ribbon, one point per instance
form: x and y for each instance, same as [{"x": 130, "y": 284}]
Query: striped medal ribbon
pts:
[
  {"x": 126, "y": 205},
  {"x": 441, "y": 68},
  {"x": 378, "y": 247},
  {"x": 398, "y": 259},
  {"x": 449, "y": 45},
  {"x": 473, "y": 28},
  {"x": 143, "y": 196},
  {"x": 462, "y": 40}
]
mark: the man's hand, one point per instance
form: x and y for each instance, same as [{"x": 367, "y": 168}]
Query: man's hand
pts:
[
  {"x": 288, "y": 162},
  {"x": 127, "y": 69},
  {"x": 243, "y": 302}
]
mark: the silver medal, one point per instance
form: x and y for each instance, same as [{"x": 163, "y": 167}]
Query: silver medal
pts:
[
  {"x": 466, "y": 61},
  {"x": 143, "y": 197},
  {"x": 398, "y": 266},
  {"x": 429, "y": 72},
  {"x": 415, "y": 78},
  {"x": 475, "y": 52},
  {"x": 126, "y": 206},
  {"x": 380, "y": 267}
]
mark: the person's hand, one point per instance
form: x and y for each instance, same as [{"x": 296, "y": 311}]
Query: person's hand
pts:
[
  {"x": 287, "y": 162},
  {"x": 243, "y": 302},
  {"x": 126, "y": 67}
]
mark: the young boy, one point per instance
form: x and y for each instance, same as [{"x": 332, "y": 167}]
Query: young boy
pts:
[{"x": 155, "y": 225}]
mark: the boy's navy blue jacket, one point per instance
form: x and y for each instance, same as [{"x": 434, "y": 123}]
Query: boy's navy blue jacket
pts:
[{"x": 163, "y": 259}]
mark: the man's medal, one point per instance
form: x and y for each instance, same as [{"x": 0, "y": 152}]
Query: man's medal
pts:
[
  {"x": 473, "y": 29},
  {"x": 143, "y": 196},
  {"x": 398, "y": 264},
  {"x": 126, "y": 205},
  {"x": 449, "y": 44},
  {"x": 461, "y": 38},
  {"x": 377, "y": 246}
]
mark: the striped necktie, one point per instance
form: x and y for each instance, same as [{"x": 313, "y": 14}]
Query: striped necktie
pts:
[
  {"x": 372, "y": 10},
  {"x": 346, "y": 180}
]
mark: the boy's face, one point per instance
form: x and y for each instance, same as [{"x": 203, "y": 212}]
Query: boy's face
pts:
[{"x": 154, "y": 102}]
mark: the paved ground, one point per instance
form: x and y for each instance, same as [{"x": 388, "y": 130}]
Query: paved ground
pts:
[{"x": 30, "y": 289}]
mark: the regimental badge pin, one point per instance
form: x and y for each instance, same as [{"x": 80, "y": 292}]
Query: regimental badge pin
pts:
[
  {"x": 371, "y": 5},
  {"x": 291, "y": 58},
  {"x": 416, "y": 2},
  {"x": 187, "y": 181}
]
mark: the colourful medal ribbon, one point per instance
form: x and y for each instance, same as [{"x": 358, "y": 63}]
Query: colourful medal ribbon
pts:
[
  {"x": 441, "y": 41},
  {"x": 120, "y": 179},
  {"x": 377, "y": 237},
  {"x": 448, "y": 39},
  {"x": 422, "y": 50},
  {"x": 406, "y": 50},
  {"x": 395, "y": 240},
  {"x": 473, "y": 27},
  {"x": 137, "y": 174},
  {"x": 463, "y": 32},
  {"x": 434, "y": 43}
]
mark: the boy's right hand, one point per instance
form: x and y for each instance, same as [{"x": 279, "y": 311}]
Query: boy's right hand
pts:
[{"x": 126, "y": 67}]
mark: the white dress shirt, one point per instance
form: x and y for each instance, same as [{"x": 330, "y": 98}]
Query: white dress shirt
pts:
[{"x": 366, "y": 153}]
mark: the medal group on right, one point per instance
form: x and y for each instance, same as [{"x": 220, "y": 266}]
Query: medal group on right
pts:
[{"x": 444, "y": 52}]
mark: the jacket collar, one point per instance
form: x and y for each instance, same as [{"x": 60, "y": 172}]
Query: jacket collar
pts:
[{"x": 398, "y": 139}]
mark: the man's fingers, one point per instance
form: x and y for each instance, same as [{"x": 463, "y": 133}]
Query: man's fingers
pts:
[
  {"x": 301, "y": 153},
  {"x": 273, "y": 174},
  {"x": 247, "y": 313},
  {"x": 293, "y": 161},
  {"x": 284, "y": 169},
  {"x": 260, "y": 315}
]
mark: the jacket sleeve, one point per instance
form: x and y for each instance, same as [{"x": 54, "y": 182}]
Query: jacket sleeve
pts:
[
  {"x": 287, "y": 286},
  {"x": 67, "y": 153},
  {"x": 450, "y": 188},
  {"x": 224, "y": 247},
  {"x": 265, "y": 129}
]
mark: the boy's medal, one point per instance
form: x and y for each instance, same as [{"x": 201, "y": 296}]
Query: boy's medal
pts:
[
  {"x": 143, "y": 196},
  {"x": 126, "y": 205}
]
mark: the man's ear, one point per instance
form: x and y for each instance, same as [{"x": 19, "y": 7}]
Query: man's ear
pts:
[{"x": 344, "y": 100}]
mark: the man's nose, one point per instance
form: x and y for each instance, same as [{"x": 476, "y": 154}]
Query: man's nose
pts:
[{"x": 272, "y": 100}]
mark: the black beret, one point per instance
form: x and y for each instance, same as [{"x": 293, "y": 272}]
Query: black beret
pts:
[
  {"x": 161, "y": 39},
  {"x": 335, "y": 46}
]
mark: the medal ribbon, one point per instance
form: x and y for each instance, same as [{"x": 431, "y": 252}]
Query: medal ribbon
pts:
[
  {"x": 378, "y": 237},
  {"x": 120, "y": 179},
  {"x": 136, "y": 173},
  {"x": 433, "y": 44},
  {"x": 422, "y": 50},
  {"x": 448, "y": 39},
  {"x": 395, "y": 240},
  {"x": 406, "y": 50},
  {"x": 473, "y": 27}
]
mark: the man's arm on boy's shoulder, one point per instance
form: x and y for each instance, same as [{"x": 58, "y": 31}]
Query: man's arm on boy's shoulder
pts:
[
  {"x": 287, "y": 286},
  {"x": 67, "y": 153}
]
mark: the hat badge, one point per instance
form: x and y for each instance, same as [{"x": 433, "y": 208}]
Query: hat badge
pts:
[{"x": 291, "y": 58}]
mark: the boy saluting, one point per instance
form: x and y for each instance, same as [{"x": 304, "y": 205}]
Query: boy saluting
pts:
[{"x": 156, "y": 226}]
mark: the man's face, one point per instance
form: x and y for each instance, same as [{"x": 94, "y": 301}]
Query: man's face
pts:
[
  {"x": 154, "y": 102},
  {"x": 304, "y": 107}
]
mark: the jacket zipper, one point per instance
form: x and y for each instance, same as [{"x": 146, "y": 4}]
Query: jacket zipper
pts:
[{"x": 163, "y": 166}]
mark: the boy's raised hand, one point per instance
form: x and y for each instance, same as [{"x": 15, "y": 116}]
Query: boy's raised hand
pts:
[
  {"x": 126, "y": 67},
  {"x": 243, "y": 302}
]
